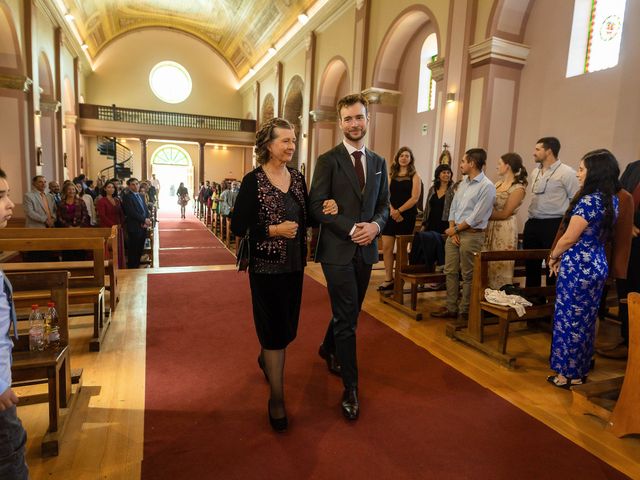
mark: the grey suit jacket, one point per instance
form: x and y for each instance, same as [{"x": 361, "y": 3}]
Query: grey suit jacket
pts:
[
  {"x": 35, "y": 214},
  {"x": 335, "y": 178}
]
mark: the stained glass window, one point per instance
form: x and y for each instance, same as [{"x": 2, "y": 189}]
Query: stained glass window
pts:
[
  {"x": 170, "y": 155},
  {"x": 596, "y": 35}
]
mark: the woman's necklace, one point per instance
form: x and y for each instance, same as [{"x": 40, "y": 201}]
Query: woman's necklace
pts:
[{"x": 282, "y": 183}]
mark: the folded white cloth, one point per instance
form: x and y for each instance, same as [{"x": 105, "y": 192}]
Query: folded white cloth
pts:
[{"x": 498, "y": 297}]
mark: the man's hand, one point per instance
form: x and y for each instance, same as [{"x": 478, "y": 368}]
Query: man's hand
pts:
[
  {"x": 147, "y": 222},
  {"x": 365, "y": 233},
  {"x": 287, "y": 229},
  {"x": 8, "y": 399},
  {"x": 49, "y": 223},
  {"x": 450, "y": 232},
  {"x": 456, "y": 240},
  {"x": 330, "y": 207}
]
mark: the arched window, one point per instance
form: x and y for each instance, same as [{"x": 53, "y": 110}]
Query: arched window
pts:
[
  {"x": 170, "y": 155},
  {"x": 426, "y": 84},
  {"x": 170, "y": 82},
  {"x": 595, "y": 35}
]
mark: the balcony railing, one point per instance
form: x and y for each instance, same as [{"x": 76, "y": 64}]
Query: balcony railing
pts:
[{"x": 167, "y": 119}]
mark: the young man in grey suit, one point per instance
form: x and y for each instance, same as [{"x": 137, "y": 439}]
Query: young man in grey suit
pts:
[
  {"x": 356, "y": 178},
  {"x": 39, "y": 207}
]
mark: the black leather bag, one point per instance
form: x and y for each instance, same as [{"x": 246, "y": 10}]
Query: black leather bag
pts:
[{"x": 243, "y": 254}]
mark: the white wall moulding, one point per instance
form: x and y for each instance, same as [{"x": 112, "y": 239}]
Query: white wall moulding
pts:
[
  {"x": 437, "y": 69},
  {"x": 497, "y": 49},
  {"x": 15, "y": 82},
  {"x": 51, "y": 106},
  {"x": 323, "y": 115},
  {"x": 382, "y": 96}
]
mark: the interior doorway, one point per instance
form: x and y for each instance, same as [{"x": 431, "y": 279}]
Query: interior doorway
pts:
[{"x": 172, "y": 165}]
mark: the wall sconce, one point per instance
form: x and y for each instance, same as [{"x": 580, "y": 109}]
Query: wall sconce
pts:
[
  {"x": 451, "y": 97},
  {"x": 84, "y": 47},
  {"x": 272, "y": 50},
  {"x": 303, "y": 18},
  {"x": 68, "y": 16},
  {"x": 37, "y": 113}
]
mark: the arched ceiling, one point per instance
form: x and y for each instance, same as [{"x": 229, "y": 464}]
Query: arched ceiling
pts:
[{"x": 240, "y": 30}]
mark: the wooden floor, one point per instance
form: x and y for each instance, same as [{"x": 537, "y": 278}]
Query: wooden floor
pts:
[{"x": 104, "y": 436}]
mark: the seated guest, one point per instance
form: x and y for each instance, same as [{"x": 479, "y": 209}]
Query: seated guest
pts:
[
  {"x": 428, "y": 244},
  {"x": 579, "y": 260},
  {"x": 404, "y": 189},
  {"x": 109, "y": 213},
  {"x": 72, "y": 213},
  {"x": 470, "y": 211},
  {"x": 502, "y": 230}
]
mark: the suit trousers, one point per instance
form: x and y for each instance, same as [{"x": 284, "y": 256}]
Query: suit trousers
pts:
[
  {"x": 459, "y": 260},
  {"x": 135, "y": 245},
  {"x": 13, "y": 439},
  {"x": 539, "y": 233},
  {"x": 347, "y": 285}
]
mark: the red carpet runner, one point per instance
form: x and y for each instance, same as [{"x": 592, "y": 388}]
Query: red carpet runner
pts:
[
  {"x": 187, "y": 242},
  {"x": 206, "y": 402}
]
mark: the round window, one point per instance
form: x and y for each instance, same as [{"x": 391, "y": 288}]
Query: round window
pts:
[{"x": 170, "y": 82}]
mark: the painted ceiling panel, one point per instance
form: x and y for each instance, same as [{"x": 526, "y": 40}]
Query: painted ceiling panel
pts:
[{"x": 240, "y": 30}]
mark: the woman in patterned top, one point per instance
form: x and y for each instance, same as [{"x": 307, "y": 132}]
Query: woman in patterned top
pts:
[
  {"x": 580, "y": 262},
  {"x": 273, "y": 208}
]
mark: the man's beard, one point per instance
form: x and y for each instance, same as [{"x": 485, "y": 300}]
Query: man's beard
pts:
[{"x": 349, "y": 136}]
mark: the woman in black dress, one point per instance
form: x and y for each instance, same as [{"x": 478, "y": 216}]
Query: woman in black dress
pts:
[
  {"x": 404, "y": 188},
  {"x": 273, "y": 207}
]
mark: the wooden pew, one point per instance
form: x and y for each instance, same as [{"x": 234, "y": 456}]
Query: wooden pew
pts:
[
  {"x": 414, "y": 275},
  {"x": 473, "y": 333},
  {"x": 616, "y": 400},
  {"x": 82, "y": 290},
  {"x": 76, "y": 268},
  {"x": 148, "y": 247},
  {"x": 51, "y": 367}
]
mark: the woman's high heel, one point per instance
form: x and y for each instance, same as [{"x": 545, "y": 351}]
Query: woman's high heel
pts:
[{"x": 277, "y": 424}]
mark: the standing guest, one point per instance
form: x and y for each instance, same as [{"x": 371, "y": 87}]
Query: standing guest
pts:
[
  {"x": 72, "y": 213},
  {"x": 183, "y": 199},
  {"x": 156, "y": 184},
  {"x": 468, "y": 218},
  {"x": 273, "y": 207},
  {"x": 554, "y": 185},
  {"x": 39, "y": 207},
  {"x": 580, "y": 262},
  {"x": 356, "y": 178},
  {"x": 228, "y": 199},
  {"x": 14, "y": 438},
  {"x": 54, "y": 191},
  {"x": 109, "y": 213},
  {"x": 137, "y": 221},
  {"x": 502, "y": 230},
  {"x": 90, "y": 189},
  {"x": 88, "y": 201},
  {"x": 404, "y": 192}
]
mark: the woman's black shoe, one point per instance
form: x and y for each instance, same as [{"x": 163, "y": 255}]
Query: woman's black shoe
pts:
[
  {"x": 277, "y": 424},
  {"x": 261, "y": 365}
]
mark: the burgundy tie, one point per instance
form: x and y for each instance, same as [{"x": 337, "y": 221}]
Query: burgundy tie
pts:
[{"x": 357, "y": 155}]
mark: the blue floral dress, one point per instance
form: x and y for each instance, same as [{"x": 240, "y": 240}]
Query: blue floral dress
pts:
[{"x": 583, "y": 271}]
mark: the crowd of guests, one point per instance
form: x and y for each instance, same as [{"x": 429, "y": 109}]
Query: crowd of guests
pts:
[
  {"x": 587, "y": 219},
  {"x": 219, "y": 197},
  {"x": 82, "y": 204}
]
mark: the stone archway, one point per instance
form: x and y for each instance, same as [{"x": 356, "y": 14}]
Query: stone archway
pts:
[
  {"x": 268, "y": 108},
  {"x": 508, "y": 19},
  {"x": 293, "y": 111}
]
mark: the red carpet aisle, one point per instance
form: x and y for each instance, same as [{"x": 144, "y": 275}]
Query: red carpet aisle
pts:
[
  {"x": 187, "y": 242},
  {"x": 206, "y": 402}
]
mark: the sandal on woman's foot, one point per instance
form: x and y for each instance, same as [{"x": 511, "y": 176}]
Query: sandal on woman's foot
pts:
[
  {"x": 385, "y": 286},
  {"x": 565, "y": 383}
]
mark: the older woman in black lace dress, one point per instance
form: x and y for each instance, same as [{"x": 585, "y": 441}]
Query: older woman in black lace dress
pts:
[{"x": 273, "y": 206}]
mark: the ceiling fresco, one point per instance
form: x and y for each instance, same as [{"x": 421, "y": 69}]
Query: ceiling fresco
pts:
[{"x": 240, "y": 30}]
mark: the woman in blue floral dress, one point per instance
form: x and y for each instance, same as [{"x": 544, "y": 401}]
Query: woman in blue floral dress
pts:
[{"x": 580, "y": 262}]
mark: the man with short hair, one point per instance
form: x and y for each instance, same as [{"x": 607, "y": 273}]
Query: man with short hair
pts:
[
  {"x": 54, "y": 190},
  {"x": 553, "y": 185},
  {"x": 39, "y": 207},
  {"x": 468, "y": 217},
  {"x": 356, "y": 178},
  {"x": 14, "y": 438},
  {"x": 136, "y": 222}
]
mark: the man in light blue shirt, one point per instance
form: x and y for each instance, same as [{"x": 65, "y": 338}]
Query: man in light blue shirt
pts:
[
  {"x": 14, "y": 438},
  {"x": 470, "y": 211}
]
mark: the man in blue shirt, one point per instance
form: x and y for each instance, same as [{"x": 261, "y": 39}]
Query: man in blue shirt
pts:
[
  {"x": 470, "y": 211},
  {"x": 13, "y": 437}
]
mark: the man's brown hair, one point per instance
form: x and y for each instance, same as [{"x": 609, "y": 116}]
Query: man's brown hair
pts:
[{"x": 352, "y": 99}]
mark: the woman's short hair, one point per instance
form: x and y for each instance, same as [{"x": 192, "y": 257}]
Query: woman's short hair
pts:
[{"x": 266, "y": 135}]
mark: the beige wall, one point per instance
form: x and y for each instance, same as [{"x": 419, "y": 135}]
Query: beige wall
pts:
[
  {"x": 331, "y": 41},
  {"x": 294, "y": 65},
  {"x": 122, "y": 74}
]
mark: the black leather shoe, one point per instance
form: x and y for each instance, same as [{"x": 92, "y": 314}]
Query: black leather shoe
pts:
[
  {"x": 277, "y": 424},
  {"x": 332, "y": 361},
  {"x": 350, "y": 405}
]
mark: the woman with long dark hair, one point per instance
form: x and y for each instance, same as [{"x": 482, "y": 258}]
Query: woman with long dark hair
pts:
[
  {"x": 110, "y": 213},
  {"x": 404, "y": 189},
  {"x": 580, "y": 262},
  {"x": 502, "y": 230}
]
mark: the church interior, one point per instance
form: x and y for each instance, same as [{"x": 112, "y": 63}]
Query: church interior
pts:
[{"x": 162, "y": 368}]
